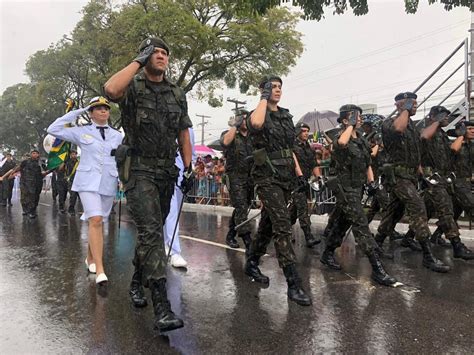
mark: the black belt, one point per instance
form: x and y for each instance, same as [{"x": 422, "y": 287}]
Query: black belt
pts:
[{"x": 280, "y": 154}]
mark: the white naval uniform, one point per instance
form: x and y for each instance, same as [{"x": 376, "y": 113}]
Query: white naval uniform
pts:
[
  {"x": 97, "y": 175},
  {"x": 172, "y": 219}
]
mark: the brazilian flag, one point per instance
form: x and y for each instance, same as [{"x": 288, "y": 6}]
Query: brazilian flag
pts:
[
  {"x": 58, "y": 154},
  {"x": 60, "y": 149}
]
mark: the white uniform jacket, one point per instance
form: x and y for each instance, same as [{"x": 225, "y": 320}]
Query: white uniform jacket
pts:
[{"x": 97, "y": 170}]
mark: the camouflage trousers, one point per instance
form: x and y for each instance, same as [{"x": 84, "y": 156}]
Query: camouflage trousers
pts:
[
  {"x": 463, "y": 199},
  {"x": 241, "y": 193},
  {"x": 349, "y": 212},
  {"x": 62, "y": 188},
  {"x": 405, "y": 199},
  {"x": 30, "y": 196},
  {"x": 6, "y": 190},
  {"x": 275, "y": 223},
  {"x": 439, "y": 205},
  {"x": 148, "y": 201},
  {"x": 380, "y": 203},
  {"x": 299, "y": 210}
]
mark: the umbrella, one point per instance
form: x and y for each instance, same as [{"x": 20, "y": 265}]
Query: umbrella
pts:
[
  {"x": 203, "y": 150},
  {"x": 319, "y": 121}
]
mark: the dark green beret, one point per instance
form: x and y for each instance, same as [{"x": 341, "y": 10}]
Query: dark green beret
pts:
[
  {"x": 438, "y": 109},
  {"x": 406, "y": 95},
  {"x": 268, "y": 78},
  {"x": 156, "y": 42}
]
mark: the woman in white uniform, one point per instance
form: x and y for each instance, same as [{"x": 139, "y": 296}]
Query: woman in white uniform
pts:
[{"x": 96, "y": 176}]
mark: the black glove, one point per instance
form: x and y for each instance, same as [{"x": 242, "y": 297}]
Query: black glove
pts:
[
  {"x": 371, "y": 188},
  {"x": 408, "y": 105},
  {"x": 302, "y": 183},
  {"x": 266, "y": 91},
  {"x": 460, "y": 129},
  {"x": 353, "y": 118},
  {"x": 188, "y": 180},
  {"x": 440, "y": 116},
  {"x": 144, "y": 55},
  {"x": 236, "y": 121}
]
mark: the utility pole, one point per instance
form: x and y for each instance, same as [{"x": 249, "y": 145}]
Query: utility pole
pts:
[
  {"x": 203, "y": 123},
  {"x": 470, "y": 85},
  {"x": 237, "y": 103}
]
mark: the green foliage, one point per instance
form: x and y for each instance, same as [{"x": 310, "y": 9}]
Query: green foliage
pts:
[{"x": 314, "y": 9}]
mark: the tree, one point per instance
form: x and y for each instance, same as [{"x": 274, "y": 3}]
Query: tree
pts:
[
  {"x": 212, "y": 46},
  {"x": 314, "y": 9}
]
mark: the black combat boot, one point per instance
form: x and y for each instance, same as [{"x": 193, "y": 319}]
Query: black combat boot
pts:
[
  {"x": 137, "y": 293},
  {"x": 379, "y": 239},
  {"x": 409, "y": 242},
  {"x": 327, "y": 258},
  {"x": 295, "y": 292},
  {"x": 311, "y": 240},
  {"x": 460, "y": 251},
  {"x": 437, "y": 238},
  {"x": 165, "y": 319},
  {"x": 247, "y": 239},
  {"x": 379, "y": 274},
  {"x": 230, "y": 239},
  {"x": 429, "y": 260},
  {"x": 252, "y": 270}
]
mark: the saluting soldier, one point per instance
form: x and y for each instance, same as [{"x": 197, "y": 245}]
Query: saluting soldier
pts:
[
  {"x": 155, "y": 120},
  {"x": 403, "y": 145},
  {"x": 275, "y": 173},
  {"x": 353, "y": 169},
  {"x": 7, "y": 183}
]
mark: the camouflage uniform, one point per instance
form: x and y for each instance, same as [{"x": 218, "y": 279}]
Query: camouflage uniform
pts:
[
  {"x": 62, "y": 187},
  {"x": 6, "y": 186},
  {"x": 70, "y": 171},
  {"x": 274, "y": 176},
  {"x": 436, "y": 158},
  {"x": 463, "y": 161},
  {"x": 31, "y": 184},
  {"x": 153, "y": 114},
  {"x": 352, "y": 162},
  {"x": 404, "y": 154},
  {"x": 238, "y": 165},
  {"x": 307, "y": 160},
  {"x": 381, "y": 199}
]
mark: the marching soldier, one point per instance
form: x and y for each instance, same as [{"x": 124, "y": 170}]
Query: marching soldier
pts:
[
  {"x": 238, "y": 152},
  {"x": 31, "y": 183},
  {"x": 352, "y": 157},
  {"x": 307, "y": 159},
  {"x": 275, "y": 171},
  {"x": 403, "y": 145},
  {"x": 154, "y": 117},
  {"x": 6, "y": 185}
]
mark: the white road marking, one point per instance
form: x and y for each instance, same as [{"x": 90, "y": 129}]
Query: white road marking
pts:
[
  {"x": 44, "y": 204},
  {"x": 211, "y": 243}
]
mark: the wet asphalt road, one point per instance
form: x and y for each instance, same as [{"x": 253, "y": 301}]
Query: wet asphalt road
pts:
[{"x": 48, "y": 303}]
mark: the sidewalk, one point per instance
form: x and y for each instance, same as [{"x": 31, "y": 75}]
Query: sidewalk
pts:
[{"x": 320, "y": 220}]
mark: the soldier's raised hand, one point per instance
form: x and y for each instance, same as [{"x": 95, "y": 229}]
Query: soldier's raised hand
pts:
[{"x": 144, "y": 55}]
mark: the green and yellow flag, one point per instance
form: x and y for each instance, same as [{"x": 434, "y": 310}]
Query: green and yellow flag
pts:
[{"x": 60, "y": 149}]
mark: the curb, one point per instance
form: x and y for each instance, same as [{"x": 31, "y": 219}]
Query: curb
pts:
[{"x": 320, "y": 220}]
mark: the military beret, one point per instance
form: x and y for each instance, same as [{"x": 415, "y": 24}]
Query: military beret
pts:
[
  {"x": 73, "y": 151},
  {"x": 347, "y": 108},
  {"x": 268, "y": 78},
  {"x": 301, "y": 125},
  {"x": 98, "y": 101},
  {"x": 438, "y": 109},
  {"x": 469, "y": 123},
  {"x": 156, "y": 42},
  {"x": 34, "y": 150},
  {"x": 406, "y": 95}
]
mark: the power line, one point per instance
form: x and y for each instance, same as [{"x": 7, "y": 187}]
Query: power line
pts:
[{"x": 376, "y": 51}]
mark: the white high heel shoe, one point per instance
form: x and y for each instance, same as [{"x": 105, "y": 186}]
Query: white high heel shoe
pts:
[
  {"x": 101, "y": 278},
  {"x": 90, "y": 267}
]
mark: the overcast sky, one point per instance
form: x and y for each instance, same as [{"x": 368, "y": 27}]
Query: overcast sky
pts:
[{"x": 347, "y": 59}]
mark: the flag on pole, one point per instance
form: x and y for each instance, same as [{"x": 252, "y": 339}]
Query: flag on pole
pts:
[{"x": 60, "y": 149}]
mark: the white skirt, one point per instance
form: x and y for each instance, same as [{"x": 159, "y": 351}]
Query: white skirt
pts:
[{"x": 95, "y": 204}]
